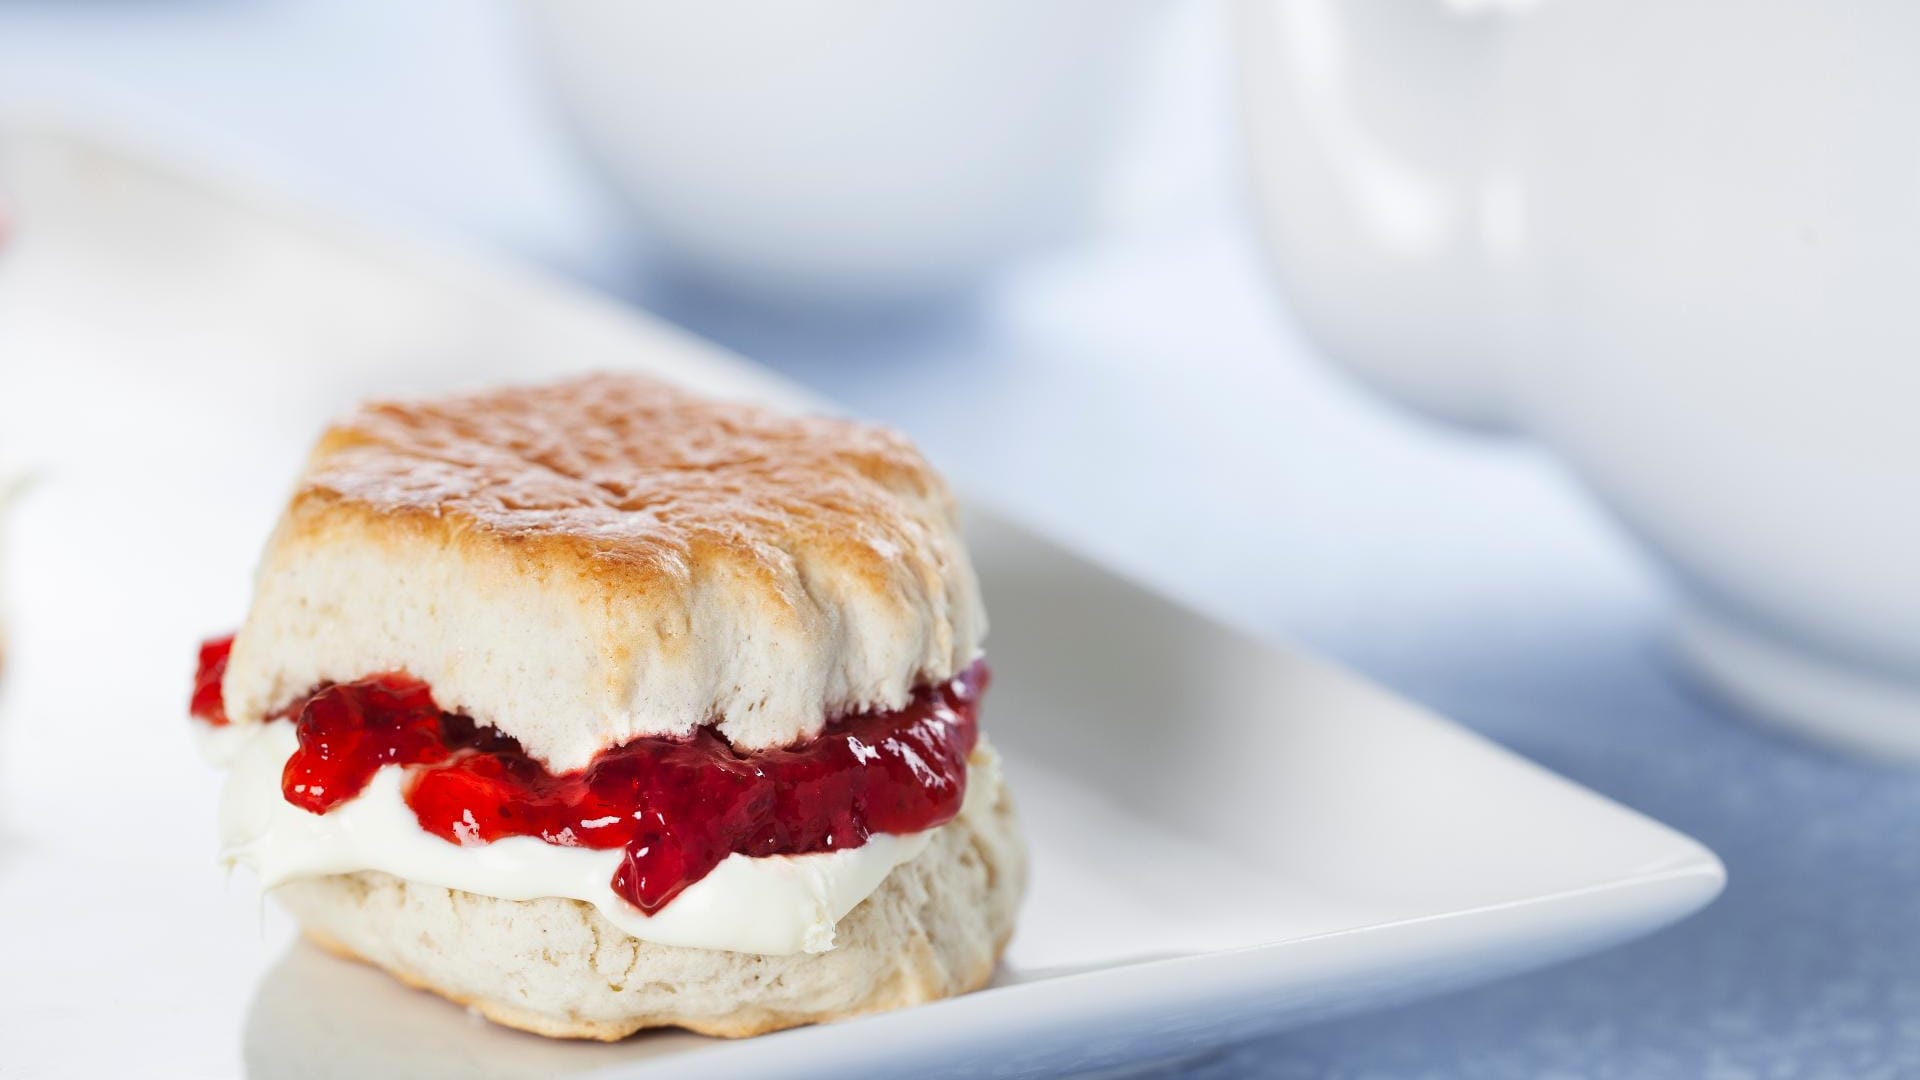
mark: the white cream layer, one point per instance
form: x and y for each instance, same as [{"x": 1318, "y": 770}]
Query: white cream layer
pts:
[{"x": 775, "y": 905}]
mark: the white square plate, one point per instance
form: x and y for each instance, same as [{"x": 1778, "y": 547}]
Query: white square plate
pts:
[{"x": 1228, "y": 838}]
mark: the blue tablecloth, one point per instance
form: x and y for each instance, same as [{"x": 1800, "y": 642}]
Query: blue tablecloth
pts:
[{"x": 1145, "y": 397}]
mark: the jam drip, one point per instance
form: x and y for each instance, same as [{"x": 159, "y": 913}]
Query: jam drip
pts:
[
  {"x": 207, "y": 704},
  {"x": 677, "y": 806}
]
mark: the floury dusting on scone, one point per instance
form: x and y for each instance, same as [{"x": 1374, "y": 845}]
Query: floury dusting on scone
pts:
[{"x": 600, "y": 706}]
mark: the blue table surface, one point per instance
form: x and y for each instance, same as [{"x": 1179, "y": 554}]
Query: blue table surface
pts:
[{"x": 1145, "y": 396}]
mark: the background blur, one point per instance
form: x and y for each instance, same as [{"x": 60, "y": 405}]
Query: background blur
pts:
[{"x": 1136, "y": 386}]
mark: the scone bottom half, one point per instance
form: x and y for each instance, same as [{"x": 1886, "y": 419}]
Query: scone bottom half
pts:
[{"x": 599, "y": 706}]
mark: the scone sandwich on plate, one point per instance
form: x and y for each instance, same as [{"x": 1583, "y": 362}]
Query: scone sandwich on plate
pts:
[{"x": 600, "y": 706}]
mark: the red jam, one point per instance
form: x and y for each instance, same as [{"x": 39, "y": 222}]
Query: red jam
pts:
[
  {"x": 207, "y": 704},
  {"x": 678, "y": 806}
]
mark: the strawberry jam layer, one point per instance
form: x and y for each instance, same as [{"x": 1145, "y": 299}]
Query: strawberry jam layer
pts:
[
  {"x": 207, "y": 677},
  {"x": 678, "y": 807}
]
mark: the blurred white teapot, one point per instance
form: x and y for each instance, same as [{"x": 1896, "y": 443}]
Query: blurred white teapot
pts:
[
  {"x": 1677, "y": 240},
  {"x": 848, "y": 149}
]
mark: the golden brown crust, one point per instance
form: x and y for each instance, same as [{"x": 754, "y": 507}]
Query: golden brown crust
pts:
[{"x": 635, "y": 480}]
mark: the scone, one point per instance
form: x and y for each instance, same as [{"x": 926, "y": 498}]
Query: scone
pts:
[{"x": 599, "y": 706}]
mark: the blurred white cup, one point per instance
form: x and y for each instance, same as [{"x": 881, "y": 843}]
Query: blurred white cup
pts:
[
  {"x": 1676, "y": 240},
  {"x": 848, "y": 150}
]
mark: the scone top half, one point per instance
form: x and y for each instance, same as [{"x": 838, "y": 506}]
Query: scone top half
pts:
[{"x": 585, "y": 563}]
